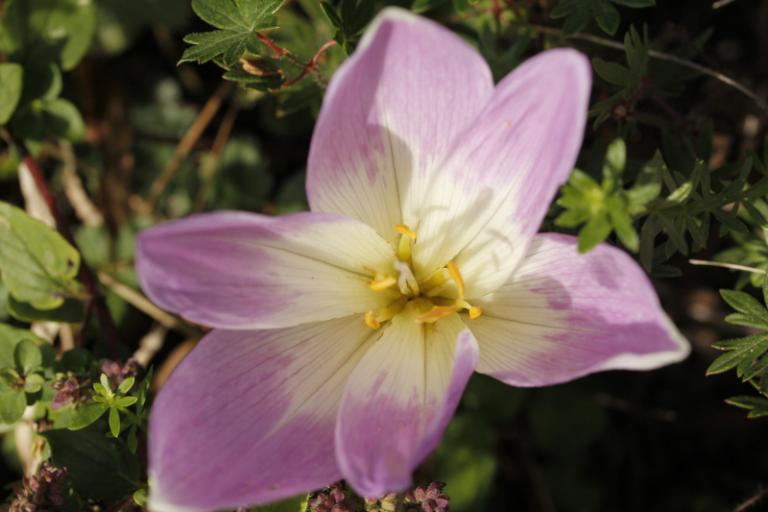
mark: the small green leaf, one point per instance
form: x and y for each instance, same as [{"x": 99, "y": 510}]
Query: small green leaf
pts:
[
  {"x": 33, "y": 383},
  {"x": 237, "y": 21},
  {"x": 611, "y": 72},
  {"x": 126, "y": 401},
  {"x": 607, "y": 17},
  {"x": 84, "y": 415},
  {"x": 622, "y": 224},
  {"x": 71, "y": 311},
  {"x": 126, "y": 385},
  {"x": 594, "y": 232},
  {"x": 615, "y": 160},
  {"x": 744, "y": 303},
  {"x": 12, "y": 404},
  {"x": 114, "y": 422},
  {"x": 10, "y": 89},
  {"x": 38, "y": 266},
  {"x": 27, "y": 357},
  {"x": 104, "y": 379}
]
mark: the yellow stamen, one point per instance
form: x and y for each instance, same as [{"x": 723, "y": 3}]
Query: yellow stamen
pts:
[
  {"x": 475, "y": 312},
  {"x": 405, "y": 230},
  {"x": 382, "y": 283},
  {"x": 404, "y": 249},
  {"x": 435, "y": 283},
  {"x": 370, "y": 321},
  {"x": 436, "y": 313},
  {"x": 456, "y": 276}
]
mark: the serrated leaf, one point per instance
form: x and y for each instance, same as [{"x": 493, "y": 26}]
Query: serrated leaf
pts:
[
  {"x": 38, "y": 266},
  {"x": 238, "y": 22},
  {"x": 10, "y": 89},
  {"x": 745, "y": 303}
]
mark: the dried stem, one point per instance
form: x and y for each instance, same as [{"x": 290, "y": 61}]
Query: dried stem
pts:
[
  {"x": 99, "y": 306},
  {"x": 144, "y": 305},
  {"x": 187, "y": 142},
  {"x": 760, "y": 102},
  {"x": 222, "y": 136},
  {"x": 731, "y": 266}
]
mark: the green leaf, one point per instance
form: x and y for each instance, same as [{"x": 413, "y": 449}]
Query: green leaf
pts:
[
  {"x": 10, "y": 89},
  {"x": 746, "y": 304},
  {"x": 70, "y": 311},
  {"x": 607, "y": 17},
  {"x": 126, "y": 385},
  {"x": 594, "y": 232},
  {"x": 33, "y": 383},
  {"x": 27, "y": 357},
  {"x": 739, "y": 351},
  {"x": 99, "y": 467},
  {"x": 59, "y": 30},
  {"x": 611, "y": 72},
  {"x": 238, "y": 22},
  {"x": 64, "y": 120},
  {"x": 114, "y": 421},
  {"x": 10, "y": 337},
  {"x": 85, "y": 414},
  {"x": 126, "y": 401},
  {"x": 622, "y": 223},
  {"x": 38, "y": 266},
  {"x": 613, "y": 166},
  {"x": 12, "y": 404},
  {"x": 647, "y": 186}
]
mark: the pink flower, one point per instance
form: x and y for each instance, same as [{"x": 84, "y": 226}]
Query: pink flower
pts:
[{"x": 344, "y": 336}]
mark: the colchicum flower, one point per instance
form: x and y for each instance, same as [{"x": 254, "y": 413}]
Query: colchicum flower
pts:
[{"x": 344, "y": 337}]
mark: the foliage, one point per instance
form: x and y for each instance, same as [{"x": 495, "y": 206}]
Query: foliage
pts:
[{"x": 122, "y": 140}]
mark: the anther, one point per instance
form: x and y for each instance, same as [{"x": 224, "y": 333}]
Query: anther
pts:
[
  {"x": 436, "y": 313},
  {"x": 475, "y": 312},
  {"x": 370, "y": 320},
  {"x": 405, "y": 230},
  {"x": 382, "y": 283}
]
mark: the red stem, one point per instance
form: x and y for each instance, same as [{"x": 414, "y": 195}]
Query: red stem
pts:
[{"x": 98, "y": 305}]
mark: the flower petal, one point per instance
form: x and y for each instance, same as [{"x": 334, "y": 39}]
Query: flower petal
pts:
[
  {"x": 399, "y": 400},
  {"x": 564, "y": 315},
  {"x": 248, "y": 416},
  {"x": 389, "y": 115},
  {"x": 496, "y": 186},
  {"x": 247, "y": 271}
]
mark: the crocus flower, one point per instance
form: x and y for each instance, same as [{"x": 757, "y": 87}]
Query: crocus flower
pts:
[{"x": 344, "y": 337}]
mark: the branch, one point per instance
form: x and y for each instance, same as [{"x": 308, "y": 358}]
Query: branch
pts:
[
  {"x": 187, "y": 142},
  {"x": 608, "y": 43}
]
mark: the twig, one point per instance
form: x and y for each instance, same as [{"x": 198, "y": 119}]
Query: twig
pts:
[
  {"x": 311, "y": 66},
  {"x": 210, "y": 165},
  {"x": 84, "y": 208},
  {"x": 150, "y": 345},
  {"x": 731, "y": 266},
  {"x": 144, "y": 305},
  {"x": 760, "y": 102},
  {"x": 721, "y": 3},
  {"x": 86, "y": 274},
  {"x": 753, "y": 500},
  {"x": 187, "y": 142}
]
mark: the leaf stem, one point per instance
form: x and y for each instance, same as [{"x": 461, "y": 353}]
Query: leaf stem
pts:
[{"x": 730, "y": 266}]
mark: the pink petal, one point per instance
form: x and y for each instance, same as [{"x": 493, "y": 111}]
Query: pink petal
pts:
[
  {"x": 248, "y": 416},
  {"x": 496, "y": 186},
  {"x": 248, "y": 271},
  {"x": 564, "y": 315},
  {"x": 389, "y": 116},
  {"x": 399, "y": 400}
]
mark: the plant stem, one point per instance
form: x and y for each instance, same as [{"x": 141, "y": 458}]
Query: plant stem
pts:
[{"x": 99, "y": 306}]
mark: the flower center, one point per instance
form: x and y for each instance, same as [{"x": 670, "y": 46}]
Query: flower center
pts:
[{"x": 429, "y": 299}]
